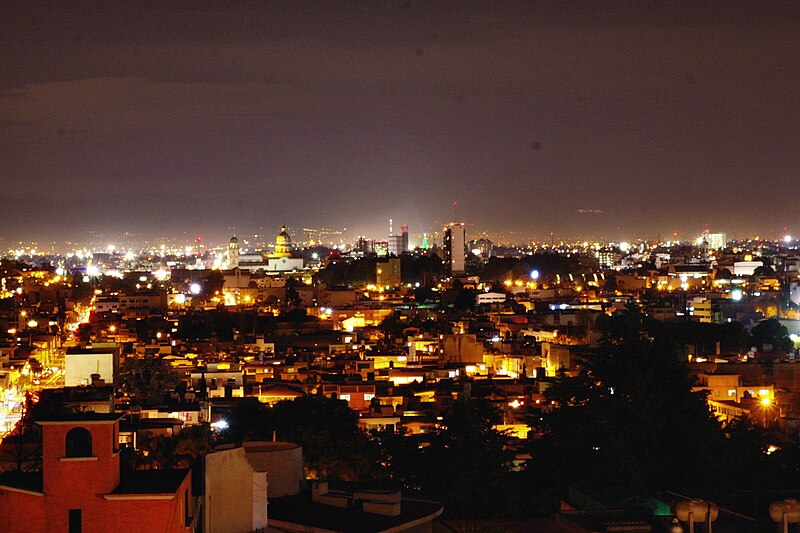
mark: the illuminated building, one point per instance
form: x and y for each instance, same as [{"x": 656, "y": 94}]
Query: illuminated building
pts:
[
  {"x": 233, "y": 253},
  {"x": 396, "y": 241},
  {"x": 387, "y": 273},
  {"x": 283, "y": 245},
  {"x": 395, "y": 244},
  {"x": 714, "y": 241},
  {"x": 280, "y": 260},
  {"x": 363, "y": 245},
  {"x": 454, "y": 248},
  {"x": 380, "y": 247}
]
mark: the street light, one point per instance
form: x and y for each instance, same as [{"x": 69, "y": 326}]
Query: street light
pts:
[
  {"x": 785, "y": 512},
  {"x": 693, "y": 511},
  {"x": 766, "y": 402},
  {"x": 31, "y": 324}
]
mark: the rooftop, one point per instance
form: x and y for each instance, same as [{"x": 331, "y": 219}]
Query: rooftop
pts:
[
  {"x": 68, "y": 415},
  {"x": 300, "y": 509}
]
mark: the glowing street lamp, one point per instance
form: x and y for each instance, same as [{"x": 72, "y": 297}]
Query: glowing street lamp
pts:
[
  {"x": 785, "y": 512},
  {"x": 697, "y": 511},
  {"x": 766, "y": 404}
]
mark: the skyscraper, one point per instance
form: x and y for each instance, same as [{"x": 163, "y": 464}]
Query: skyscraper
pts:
[
  {"x": 396, "y": 241},
  {"x": 454, "y": 248},
  {"x": 395, "y": 244},
  {"x": 404, "y": 233}
]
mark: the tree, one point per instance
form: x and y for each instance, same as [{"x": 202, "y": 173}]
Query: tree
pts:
[
  {"x": 772, "y": 332},
  {"x": 192, "y": 443},
  {"x": 334, "y": 446},
  {"x": 212, "y": 283},
  {"x": 464, "y": 462},
  {"x": 629, "y": 417},
  {"x": 292, "y": 296},
  {"x": 148, "y": 379},
  {"x": 764, "y": 271},
  {"x": 392, "y": 328}
]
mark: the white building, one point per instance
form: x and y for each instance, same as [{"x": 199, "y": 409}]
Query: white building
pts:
[
  {"x": 715, "y": 241},
  {"x": 745, "y": 268},
  {"x": 79, "y": 365},
  {"x": 491, "y": 298},
  {"x": 455, "y": 239}
]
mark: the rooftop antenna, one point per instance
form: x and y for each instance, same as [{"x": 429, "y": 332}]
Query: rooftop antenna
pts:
[{"x": 391, "y": 229}]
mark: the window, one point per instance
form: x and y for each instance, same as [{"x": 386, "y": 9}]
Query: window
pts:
[
  {"x": 75, "y": 518},
  {"x": 79, "y": 443}
]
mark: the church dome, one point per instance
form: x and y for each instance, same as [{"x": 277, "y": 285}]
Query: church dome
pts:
[
  {"x": 283, "y": 237},
  {"x": 283, "y": 244}
]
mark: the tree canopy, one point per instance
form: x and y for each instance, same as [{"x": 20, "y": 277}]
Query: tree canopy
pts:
[
  {"x": 148, "y": 380},
  {"x": 771, "y": 332},
  {"x": 629, "y": 417}
]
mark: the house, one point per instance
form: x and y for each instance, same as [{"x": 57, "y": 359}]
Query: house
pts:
[{"x": 82, "y": 486}]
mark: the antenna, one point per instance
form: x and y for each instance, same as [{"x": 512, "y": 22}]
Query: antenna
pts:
[{"x": 391, "y": 230}]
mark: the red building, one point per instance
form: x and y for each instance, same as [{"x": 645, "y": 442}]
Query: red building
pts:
[{"x": 82, "y": 489}]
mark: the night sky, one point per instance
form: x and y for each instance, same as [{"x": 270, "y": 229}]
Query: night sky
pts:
[{"x": 616, "y": 120}]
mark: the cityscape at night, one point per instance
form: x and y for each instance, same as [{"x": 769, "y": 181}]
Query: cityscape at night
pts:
[{"x": 424, "y": 267}]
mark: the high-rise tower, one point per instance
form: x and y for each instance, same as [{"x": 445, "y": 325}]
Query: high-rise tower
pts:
[{"x": 455, "y": 248}]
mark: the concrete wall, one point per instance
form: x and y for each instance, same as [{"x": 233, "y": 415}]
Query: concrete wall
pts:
[
  {"x": 232, "y": 487},
  {"x": 283, "y": 461},
  {"x": 463, "y": 348},
  {"x": 81, "y": 366}
]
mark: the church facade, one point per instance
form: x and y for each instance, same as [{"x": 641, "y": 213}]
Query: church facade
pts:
[{"x": 280, "y": 260}]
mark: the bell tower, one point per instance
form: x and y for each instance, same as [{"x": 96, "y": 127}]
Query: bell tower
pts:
[{"x": 80, "y": 454}]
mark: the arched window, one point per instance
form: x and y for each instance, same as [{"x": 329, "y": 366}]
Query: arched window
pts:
[{"x": 79, "y": 443}]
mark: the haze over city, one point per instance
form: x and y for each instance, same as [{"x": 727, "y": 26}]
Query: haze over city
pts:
[{"x": 612, "y": 122}]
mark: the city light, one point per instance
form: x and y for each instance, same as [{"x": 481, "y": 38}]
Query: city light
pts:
[{"x": 219, "y": 425}]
